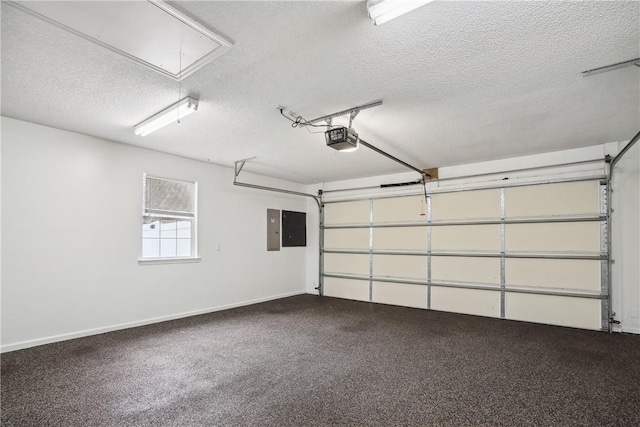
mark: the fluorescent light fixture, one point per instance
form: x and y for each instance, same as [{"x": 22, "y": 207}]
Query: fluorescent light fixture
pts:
[
  {"x": 171, "y": 114},
  {"x": 382, "y": 11}
]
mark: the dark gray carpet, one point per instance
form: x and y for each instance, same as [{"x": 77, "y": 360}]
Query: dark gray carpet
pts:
[{"x": 308, "y": 360}]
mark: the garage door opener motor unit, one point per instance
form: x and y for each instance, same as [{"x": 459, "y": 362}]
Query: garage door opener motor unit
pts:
[{"x": 342, "y": 138}]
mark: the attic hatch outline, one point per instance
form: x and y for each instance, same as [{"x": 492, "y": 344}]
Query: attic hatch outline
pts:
[{"x": 223, "y": 45}]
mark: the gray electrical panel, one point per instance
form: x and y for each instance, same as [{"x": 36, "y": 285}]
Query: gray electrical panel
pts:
[{"x": 273, "y": 230}]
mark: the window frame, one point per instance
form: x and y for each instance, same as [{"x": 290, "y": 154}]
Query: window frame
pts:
[{"x": 172, "y": 216}]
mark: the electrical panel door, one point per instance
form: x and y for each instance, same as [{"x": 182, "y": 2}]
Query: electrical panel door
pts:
[{"x": 273, "y": 230}]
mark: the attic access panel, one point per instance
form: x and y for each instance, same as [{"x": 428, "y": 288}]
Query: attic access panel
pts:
[
  {"x": 294, "y": 229},
  {"x": 151, "y": 33}
]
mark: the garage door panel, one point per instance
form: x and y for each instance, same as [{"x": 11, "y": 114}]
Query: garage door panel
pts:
[
  {"x": 465, "y": 269},
  {"x": 467, "y": 301},
  {"x": 568, "y": 198},
  {"x": 403, "y": 238},
  {"x": 553, "y": 237},
  {"x": 346, "y": 238},
  {"x": 465, "y": 205},
  {"x": 554, "y": 273},
  {"x": 399, "y": 209},
  {"x": 554, "y": 310},
  {"x": 412, "y": 267},
  {"x": 347, "y": 212},
  {"x": 346, "y": 263},
  {"x": 543, "y": 238},
  {"x": 466, "y": 238},
  {"x": 400, "y": 294},
  {"x": 346, "y": 288}
]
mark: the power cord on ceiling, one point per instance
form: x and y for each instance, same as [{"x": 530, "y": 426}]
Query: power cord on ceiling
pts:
[
  {"x": 300, "y": 121},
  {"x": 310, "y": 131}
]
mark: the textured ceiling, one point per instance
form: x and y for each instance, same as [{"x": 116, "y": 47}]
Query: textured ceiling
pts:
[{"x": 461, "y": 82}]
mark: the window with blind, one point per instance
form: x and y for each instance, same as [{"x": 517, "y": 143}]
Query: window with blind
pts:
[{"x": 169, "y": 218}]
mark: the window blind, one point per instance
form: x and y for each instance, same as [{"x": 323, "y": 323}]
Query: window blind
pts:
[{"x": 163, "y": 196}]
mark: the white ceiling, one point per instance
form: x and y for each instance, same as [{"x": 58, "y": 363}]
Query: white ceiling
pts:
[{"x": 461, "y": 82}]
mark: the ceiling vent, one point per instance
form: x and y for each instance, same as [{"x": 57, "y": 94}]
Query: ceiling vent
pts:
[{"x": 151, "y": 33}]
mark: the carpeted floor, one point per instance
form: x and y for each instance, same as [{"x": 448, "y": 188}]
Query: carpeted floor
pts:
[{"x": 308, "y": 360}]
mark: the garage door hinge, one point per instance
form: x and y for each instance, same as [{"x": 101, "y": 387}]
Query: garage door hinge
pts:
[{"x": 612, "y": 319}]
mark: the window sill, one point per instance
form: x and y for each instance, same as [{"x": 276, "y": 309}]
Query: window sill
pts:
[{"x": 155, "y": 261}]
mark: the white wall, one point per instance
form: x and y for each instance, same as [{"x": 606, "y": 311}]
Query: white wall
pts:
[
  {"x": 71, "y": 234},
  {"x": 625, "y": 284},
  {"x": 625, "y": 251}
]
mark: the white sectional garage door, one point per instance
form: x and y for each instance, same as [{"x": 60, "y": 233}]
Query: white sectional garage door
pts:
[{"x": 536, "y": 253}]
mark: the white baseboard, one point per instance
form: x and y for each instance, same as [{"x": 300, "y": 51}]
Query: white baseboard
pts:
[{"x": 88, "y": 332}]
